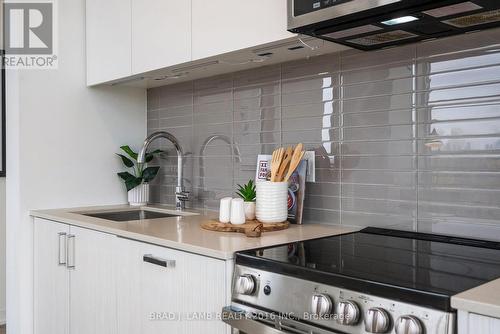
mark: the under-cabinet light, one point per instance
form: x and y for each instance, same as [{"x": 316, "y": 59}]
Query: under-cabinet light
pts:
[{"x": 399, "y": 20}]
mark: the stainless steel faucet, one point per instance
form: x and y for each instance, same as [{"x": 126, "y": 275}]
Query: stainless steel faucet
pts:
[
  {"x": 224, "y": 138},
  {"x": 181, "y": 196}
]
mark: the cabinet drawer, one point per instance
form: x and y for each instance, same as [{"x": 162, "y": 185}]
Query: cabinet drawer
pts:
[
  {"x": 483, "y": 324},
  {"x": 168, "y": 291}
]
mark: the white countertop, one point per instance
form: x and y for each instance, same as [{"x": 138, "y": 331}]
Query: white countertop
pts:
[
  {"x": 185, "y": 233},
  {"x": 484, "y": 299}
]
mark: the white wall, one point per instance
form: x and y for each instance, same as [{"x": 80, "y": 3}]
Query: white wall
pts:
[
  {"x": 2, "y": 250},
  {"x": 2, "y": 219},
  {"x": 61, "y": 137}
]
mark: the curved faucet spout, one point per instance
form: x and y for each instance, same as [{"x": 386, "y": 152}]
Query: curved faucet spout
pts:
[
  {"x": 224, "y": 138},
  {"x": 180, "y": 195}
]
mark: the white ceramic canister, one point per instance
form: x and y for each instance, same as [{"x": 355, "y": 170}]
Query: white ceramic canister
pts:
[
  {"x": 237, "y": 211},
  {"x": 271, "y": 204},
  {"x": 225, "y": 210}
]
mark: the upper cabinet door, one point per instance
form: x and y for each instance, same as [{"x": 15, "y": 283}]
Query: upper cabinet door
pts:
[
  {"x": 108, "y": 25},
  {"x": 161, "y": 34},
  {"x": 221, "y": 26}
]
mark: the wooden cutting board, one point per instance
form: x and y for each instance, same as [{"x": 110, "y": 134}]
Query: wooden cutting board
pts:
[{"x": 252, "y": 228}]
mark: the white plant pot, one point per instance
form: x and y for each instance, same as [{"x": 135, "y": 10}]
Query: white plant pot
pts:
[
  {"x": 271, "y": 205},
  {"x": 139, "y": 196},
  {"x": 249, "y": 210}
]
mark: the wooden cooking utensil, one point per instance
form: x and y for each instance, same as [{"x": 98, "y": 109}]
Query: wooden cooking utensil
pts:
[
  {"x": 281, "y": 157},
  {"x": 273, "y": 158},
  {"x": 298, "y": 153},
  {"x": 284, "y": 164},
  {"x": 273, "y": 163},
  {"x": 276, "y": 162}
]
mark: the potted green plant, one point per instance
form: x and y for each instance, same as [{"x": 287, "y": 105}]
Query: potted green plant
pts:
[
  {"x": 248, "y": 193},
  {"x": 139, "y": 175}
]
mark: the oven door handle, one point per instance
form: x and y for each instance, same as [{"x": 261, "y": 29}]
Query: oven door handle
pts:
[{"x": 239, "y": 320}]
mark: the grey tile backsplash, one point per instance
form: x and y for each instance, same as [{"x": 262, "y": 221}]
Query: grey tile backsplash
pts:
[{"x": 407, "y": 137}]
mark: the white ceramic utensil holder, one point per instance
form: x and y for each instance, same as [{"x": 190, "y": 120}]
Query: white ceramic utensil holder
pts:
[{"x": 271, "y": 204}]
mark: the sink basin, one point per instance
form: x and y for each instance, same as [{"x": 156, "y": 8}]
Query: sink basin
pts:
[{"x": 122, "y": 216}]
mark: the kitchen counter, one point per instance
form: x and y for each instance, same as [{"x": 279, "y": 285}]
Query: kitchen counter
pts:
[
  {"x": 185, "y": 233},
  {"x": 484, "y": 299}
]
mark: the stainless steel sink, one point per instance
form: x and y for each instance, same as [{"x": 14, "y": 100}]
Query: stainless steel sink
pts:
[{"x": 122, "y": 216}]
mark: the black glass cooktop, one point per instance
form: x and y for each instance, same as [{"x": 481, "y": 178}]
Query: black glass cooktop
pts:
[{"x": 413, "y": 267}]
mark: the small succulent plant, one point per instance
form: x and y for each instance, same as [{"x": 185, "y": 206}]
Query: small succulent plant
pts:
[{"x": 247, "y": 191}]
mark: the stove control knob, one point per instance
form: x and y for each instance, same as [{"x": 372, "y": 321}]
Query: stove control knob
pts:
[
  {"x": 321, "y": 305},
  {"x": 408, "y": 324},
  {"x": 377, "y": 320},
  {"x": 245, "y": 284},
  {"x": 348, "y": 313}
]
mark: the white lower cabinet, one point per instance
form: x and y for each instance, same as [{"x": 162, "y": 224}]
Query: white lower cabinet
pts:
[
  {"x": 89, "y": 282},
  {"x": 51, "y": 278},
  {"x": 168, "y": 291},
  {"x": 74, "y": 286},
  {"x": 472, "y": 323},
  {"x": 92, "y": 283}
]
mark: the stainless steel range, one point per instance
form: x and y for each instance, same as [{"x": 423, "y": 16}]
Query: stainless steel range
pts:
[{"x": 372, "y": 281}]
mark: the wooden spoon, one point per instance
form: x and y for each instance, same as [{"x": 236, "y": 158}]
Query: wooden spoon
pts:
[
  {"x": 285, "y": 163},
  {"x": 298, "y": 153}
]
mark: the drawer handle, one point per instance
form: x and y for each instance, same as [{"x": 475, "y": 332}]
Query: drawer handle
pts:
[
  {"x": 159, "y": 262},
  {"x": 62, "y": 248},
  {"x": 71, "y": 251}
]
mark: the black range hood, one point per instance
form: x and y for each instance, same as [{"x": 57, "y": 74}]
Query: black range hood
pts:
[{"x": 374, "y": 24}]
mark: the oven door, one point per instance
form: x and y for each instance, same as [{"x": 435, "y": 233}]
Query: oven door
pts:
[{"x": 252, "y": 321}]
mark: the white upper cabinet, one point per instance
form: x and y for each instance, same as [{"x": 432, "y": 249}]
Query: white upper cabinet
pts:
[
  {"x": 126, "y": 38},
  {"x": 108, "y": 24},
  {"x": 221, "y": 26},
  {"x": 161, "y": 34}
]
